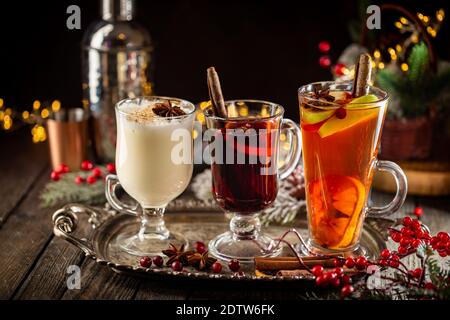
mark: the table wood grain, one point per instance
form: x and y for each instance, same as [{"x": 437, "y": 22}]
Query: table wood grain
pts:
[{"x": 33, "y": 262}]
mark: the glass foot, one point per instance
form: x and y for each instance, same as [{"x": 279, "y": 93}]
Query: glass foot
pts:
[
  {"x": 318, "y": 250},
  {"x": 149, "y": 244},
  {"x": 226, "y": 247}
]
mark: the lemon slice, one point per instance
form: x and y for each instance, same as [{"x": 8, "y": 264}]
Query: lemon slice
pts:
[
  {"x": 357, "y": 102},
  {"x": 356, "y": 113},
  {"x": 313, "y": 115}
]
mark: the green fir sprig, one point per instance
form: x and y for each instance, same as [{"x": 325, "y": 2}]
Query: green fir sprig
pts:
[
  {"x": 66, "y": 190},
  {"x": 418, "y": 89}
]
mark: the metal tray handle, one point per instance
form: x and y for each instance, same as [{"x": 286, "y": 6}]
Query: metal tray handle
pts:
[{"x": 65, "y": 221}]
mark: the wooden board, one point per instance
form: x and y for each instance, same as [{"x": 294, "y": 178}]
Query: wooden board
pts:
[{"x": 424, "y": 179}]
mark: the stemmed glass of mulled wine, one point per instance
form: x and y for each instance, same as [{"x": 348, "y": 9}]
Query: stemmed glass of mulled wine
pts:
[{"x": 246, "y": 169}]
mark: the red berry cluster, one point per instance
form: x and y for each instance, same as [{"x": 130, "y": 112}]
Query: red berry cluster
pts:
[
  {"x": 146, "y": 262},
  {"x": 200, "y": 247},
  {"x": 416, "y": 273},
  {"x": 412, "y": 235},
  {"x": 96, "y": 172},
  {"x": 441, "y": 243},
  {"x": 86, "y": 165},
  {"x": 59, "y": 171},
  {"x": 335, "y": 278},
  {"x": 388, "y": 259}
]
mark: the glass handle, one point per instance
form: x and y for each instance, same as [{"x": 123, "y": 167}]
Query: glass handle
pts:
[
  {"x": 402, "y": 189},
  {"x": 112, "y": 182},
  {"x": 295, "y": 150}
]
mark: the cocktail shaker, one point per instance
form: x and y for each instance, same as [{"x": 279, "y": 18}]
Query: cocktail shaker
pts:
[{"x": 117, "y": 63}]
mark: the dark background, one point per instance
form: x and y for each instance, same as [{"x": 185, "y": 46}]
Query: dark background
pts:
[{"x": 262, "y": 50}]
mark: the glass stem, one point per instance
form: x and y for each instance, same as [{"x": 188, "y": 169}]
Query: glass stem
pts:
[
  {"x": 152, "y": 223},
  {"x": 245, "y": 227}
]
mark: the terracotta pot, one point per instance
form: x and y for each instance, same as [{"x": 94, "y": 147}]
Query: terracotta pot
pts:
[{"x": 407, "y": 139}]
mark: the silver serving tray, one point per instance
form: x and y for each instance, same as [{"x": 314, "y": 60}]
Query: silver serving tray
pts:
[{"x": 106, "y": 224}]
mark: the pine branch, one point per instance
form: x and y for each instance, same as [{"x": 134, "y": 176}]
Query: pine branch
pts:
[
  {"x": 418, "y": 62},
  {"x": 417, "y": 89},
  {"x": 66, "y": 190}
]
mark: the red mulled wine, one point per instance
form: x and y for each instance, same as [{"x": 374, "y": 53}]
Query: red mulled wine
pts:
[{"x": 245, "y": 176}]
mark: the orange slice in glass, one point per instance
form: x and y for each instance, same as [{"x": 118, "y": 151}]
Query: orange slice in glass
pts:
[
  {"x": 347, "y": 194},
  {"x": 336, "y": 203}
]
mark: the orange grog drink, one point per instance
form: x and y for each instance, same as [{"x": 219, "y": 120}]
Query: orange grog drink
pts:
[{"x": 341, "y": 135}]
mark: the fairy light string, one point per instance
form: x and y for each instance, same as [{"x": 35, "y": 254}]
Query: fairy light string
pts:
[{"x": 35, "y": 117}]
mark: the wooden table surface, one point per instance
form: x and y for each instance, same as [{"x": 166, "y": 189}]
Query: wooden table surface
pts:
[{"x": 33, "y": 262}]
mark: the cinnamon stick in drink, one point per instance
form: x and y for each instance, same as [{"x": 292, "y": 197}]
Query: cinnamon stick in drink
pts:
[
  {"x": 363, "y": 72},
  {"x": 215, "y": 93}
]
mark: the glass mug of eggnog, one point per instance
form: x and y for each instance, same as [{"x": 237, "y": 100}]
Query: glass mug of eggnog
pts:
[{"x": 154, "y": 163}]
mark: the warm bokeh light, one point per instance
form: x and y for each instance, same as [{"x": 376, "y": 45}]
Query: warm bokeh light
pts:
[
  {"x": 56, "y": 106},
  {"x": 7, "y": 122},
  {"x": 431, "y": 31},
  {"x": 440, "y": 15},
  {"x": 404, "y": 67},
  {"x": 377, "y": 54},
  {"x": 38, "y": 133},
  {"x": 36, "y": 105},
  {"x": 45, "y": 113}
]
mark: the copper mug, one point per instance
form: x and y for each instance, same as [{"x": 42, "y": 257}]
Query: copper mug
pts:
[{"x": 68, "y": 137}]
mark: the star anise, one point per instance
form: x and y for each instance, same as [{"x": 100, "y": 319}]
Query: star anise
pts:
[
  {"x": 177, "y": 254},
  {"x": 323, "y": 94},
  {"x": 165, "y": 109},
  {"x": 201, "y": 261}
]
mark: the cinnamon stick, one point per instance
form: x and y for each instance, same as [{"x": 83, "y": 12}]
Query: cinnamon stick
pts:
[
  {"x": 363, "y": 72},
  {"x": 290, "y": 263},
  {"x": 215, "y": 93}
]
